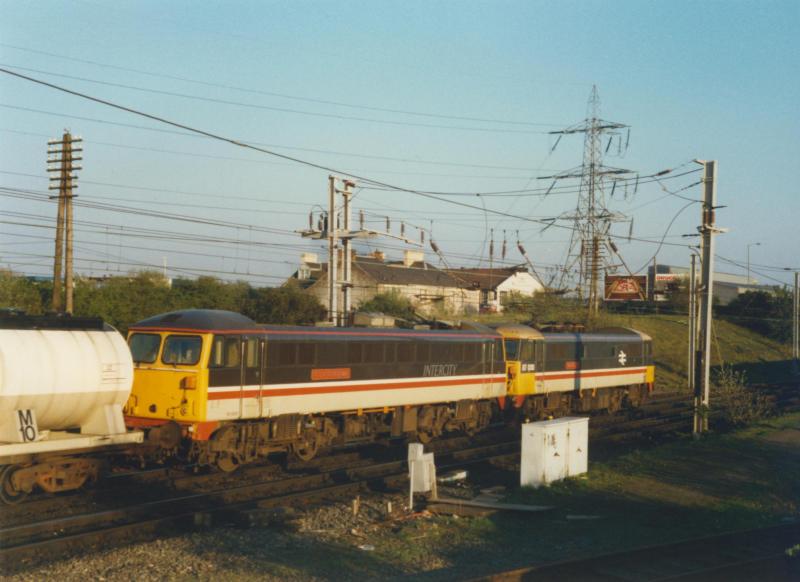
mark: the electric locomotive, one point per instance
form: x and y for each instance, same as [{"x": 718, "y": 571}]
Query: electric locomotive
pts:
[
  {"x": 215, "y": 388},
  {"x": 218, "y": 389},
  {"x": 556, "y": 373}
]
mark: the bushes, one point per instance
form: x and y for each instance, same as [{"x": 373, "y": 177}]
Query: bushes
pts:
[
  {"x": 766, "y": 313},
  {"x": 122, "y": 301},
  {"x": 739, "y": 403},
  {"x": 391, "y": 304}
]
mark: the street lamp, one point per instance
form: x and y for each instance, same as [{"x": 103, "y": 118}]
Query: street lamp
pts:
[{"x": 755, "y": 244}]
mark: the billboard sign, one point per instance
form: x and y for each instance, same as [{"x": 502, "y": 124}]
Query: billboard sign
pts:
[{"x": 626, "y": 288}]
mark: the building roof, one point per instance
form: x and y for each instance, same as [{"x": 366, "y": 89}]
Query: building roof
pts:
[
  {"x": 485, "y": 278},
  {"x": 419, "y": 273},
  {"x": 392, "y": 273}
]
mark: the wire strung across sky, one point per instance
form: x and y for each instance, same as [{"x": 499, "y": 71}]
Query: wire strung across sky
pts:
[{"x": 363, "y": 179}]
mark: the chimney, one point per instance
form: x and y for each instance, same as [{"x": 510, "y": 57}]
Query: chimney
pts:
[
  {"x": 306, "y": 258},
  {"x": 380, "y": 255},
  {"x": 411, "y": 257}
]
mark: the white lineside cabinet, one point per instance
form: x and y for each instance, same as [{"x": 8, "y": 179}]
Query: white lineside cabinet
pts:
[{"x": 553, "y": 450}]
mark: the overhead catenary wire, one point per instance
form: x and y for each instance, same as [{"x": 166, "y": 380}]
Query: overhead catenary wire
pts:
[
  {"x": 259, "y": 106},
  {"x": 281, "y": 95}
]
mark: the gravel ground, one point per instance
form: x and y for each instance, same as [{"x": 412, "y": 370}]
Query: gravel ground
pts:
[{"x": 288, "y": 545}]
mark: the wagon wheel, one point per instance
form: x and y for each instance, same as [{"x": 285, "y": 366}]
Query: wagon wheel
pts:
[
  {"x": 307, "y": 448},
  {"x": 8, "y": 493}
]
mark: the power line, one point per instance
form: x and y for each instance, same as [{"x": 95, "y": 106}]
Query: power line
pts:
[
  {"x": 270, "y": 107},
  {"x": 281, "y": 95},
  {"x": 276, "y": 154}
]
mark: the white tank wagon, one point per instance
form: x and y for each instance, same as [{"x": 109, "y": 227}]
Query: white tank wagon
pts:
[{"x": 63, "y": 382}]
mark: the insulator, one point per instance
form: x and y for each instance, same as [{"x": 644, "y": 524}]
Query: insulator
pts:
[
  {"x": 435, "y": 247},
  {"x": 310, "y": 221},
  {"x": 361, "y": 219},
  {"x": 550, "y": 188},
  {"x": 504, "y": 249},
  {"x": 388, "y": 224},
  {"x": 402, "y": 229},
  {"x": 613, "y": 246},
  {"x": 422, "y": 236},
  {"x": 609, "y": 143},
  {"x": 613, "y": 188},
  {"x": 521, "y": 249}
]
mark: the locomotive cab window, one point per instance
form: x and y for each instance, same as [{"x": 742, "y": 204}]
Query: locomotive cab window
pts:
[
  {"x": 144, "y": 347},
  {"x": 512, "y": 349},
  {"x": 182, "y": 349}
]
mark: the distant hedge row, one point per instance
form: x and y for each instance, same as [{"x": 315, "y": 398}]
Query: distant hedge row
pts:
[{"x": 124, "y": 300}]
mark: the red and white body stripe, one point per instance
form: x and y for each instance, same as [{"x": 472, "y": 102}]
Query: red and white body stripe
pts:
[
  {"x": 567, "y": 380},
  {"x": 228, "y": 402}
]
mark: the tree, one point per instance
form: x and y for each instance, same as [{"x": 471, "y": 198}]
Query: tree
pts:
[
  {"x": 391, "y": 303},
  {"x": 769, "y": 314},
  {"x": 18, "y": 292},
  {"x": 122, "y": 301},
  {"x": 208, "y": 293},
  {"x": 286, "y": 304}
]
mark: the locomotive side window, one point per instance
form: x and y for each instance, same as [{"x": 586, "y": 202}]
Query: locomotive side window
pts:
[
  {"x": 306, "y": 353},
  {"x": 144, "y": 347},
  {"x": 225, "y": 352},
  {"x": 287, "y": 354},
  {"x": 354, "y": 352},
  {"x": 332, "y": 353},
  {"x": 251, "y": 353},
  {"x": 423, "y": 352},
  {"x": 526, "y": 354},
  {"x": 373, "y": 353},
  {"x": 182, "y": 349},
  {"x": 405, "y": 352}
]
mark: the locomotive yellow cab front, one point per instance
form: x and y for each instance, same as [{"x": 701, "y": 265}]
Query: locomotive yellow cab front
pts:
[{"x": 522, "y": 345}]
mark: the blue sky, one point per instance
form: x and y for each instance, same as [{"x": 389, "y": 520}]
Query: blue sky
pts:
[{"x": 714, "y": 80}]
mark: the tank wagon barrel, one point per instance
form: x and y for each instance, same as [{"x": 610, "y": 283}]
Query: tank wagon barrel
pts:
[{"x": 63, "y": 382}]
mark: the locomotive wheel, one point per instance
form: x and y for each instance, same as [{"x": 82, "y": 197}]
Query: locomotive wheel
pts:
[
  {"x": 307, "y": 449},
  {"x": 227, "y": 462},
  {"x": 8, "y": 493}
]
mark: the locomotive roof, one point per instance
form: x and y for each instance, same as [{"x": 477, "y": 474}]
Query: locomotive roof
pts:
[
  {"x": 517, "y": 331},
  {"x": 607, "y": 334},
  {"x": 199, "y": 319},
  {"x": 213, "y": 320},
  {"x": 344, "y": 332}
]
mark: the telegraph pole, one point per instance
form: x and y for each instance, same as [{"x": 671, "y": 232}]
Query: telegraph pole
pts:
[
  {"x": 347, "y": 285},
  {"x": 796, "y": 326},
  {"x": 333, "y": 288},
  {"x": 61, "y": 154},
  {"x": 707, "y": 230},
  {"x": 692, "y": 323},
  {"x": 329, "y": 229}
]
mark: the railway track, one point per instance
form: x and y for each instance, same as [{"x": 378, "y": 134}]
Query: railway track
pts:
[
  {"x": 23, "y": 544},
  {"x": 746, "y": 555},
  {"x": 179, "y": 501}
]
